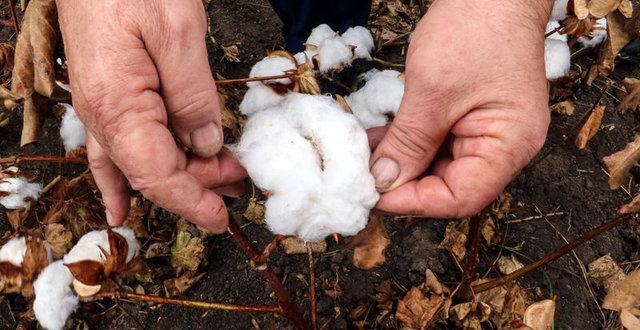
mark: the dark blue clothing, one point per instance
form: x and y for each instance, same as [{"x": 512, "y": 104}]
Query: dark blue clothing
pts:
[{"x": 299, "y": 17}]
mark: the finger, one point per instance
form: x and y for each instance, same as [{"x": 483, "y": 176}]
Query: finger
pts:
[
  {"x": 234, "y": 190},
  {"x": 110, "y": 181},
  {"x": 188, "y": 89},
  {"x": 375, "y": 135},
  {"x": 216, "y": 171}
]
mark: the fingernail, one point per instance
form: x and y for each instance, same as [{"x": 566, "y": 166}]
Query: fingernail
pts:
[
  {"x": 206, "y": 140},
  {"x": 109, "y": 218},
  {"x": 385, "y": 171}
]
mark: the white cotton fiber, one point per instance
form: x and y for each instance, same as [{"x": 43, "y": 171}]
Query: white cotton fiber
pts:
[
  {"x": 319, "y": 34},
  {"x": 55, "y": 300},
  {"x": 13, "y": 251},
  {"x": 72, "y": 130},
  {"x": 87, "y": 247},
  {"x": 333, "y": 53},
  {"x": 306, "y": 56},
  {"x": 361, "y": 38},
  {"x": 559, "y": 11},
  {"x": 18, "y": 191},
  {"x": 313, "y": 158},
  {"x": 259, "y": 97},
  {"x": 557, "y": 58},
  {"x": 381, "y": 95},
  {"x": 552, "y": 25},
  {"x": 597, "y": 36},
  {"x": 271, "y": 66}
]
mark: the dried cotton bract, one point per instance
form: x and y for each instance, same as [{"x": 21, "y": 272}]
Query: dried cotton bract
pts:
[
  {"x": 598, "y": 35},
  {"x": 72, "y": 130},
  {"x": 380, "y": 96},
  {"x": 15, "y": 192},
  {"x": 313, "y": 159}
]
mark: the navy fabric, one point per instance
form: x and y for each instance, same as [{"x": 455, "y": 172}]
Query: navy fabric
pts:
[{"x": 299, "y": 17}]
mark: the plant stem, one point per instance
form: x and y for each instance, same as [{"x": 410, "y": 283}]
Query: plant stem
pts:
[
  {"x": 313, "y": 303},
  {"x": 287, "y": 308},
  {"x": 553, "y": 255},
  {"x": 245, "y": 80},
  {"x": 187, "y": 303},
  {"x": 37, "y": 158},
  {"x": 272, "y": 246},
  {"x": 14, "y": 17},
  {"x": 469, "y": 273}
]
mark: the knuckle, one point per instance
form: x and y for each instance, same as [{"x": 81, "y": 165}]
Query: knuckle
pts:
[
  {"x": 411, "y": 140},
  {"x": 185, "y": 27},
  {"x": 196, "y": 108}
]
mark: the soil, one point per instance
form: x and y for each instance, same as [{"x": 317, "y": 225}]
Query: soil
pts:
[{"x": 560, "y": 179}]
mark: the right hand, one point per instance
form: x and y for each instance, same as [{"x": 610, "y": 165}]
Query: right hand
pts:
[{"x": 138, "y": 72}]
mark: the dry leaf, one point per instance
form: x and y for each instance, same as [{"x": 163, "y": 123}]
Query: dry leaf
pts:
[
  {"x": 565, "y": 108},
  {"x": 540, "y": 315},
  {"x": 619, "y": 163},
  {"x": 631, "y": 207},
  {"x": 628, "y": 320},
  {"x": 59, "y": 238},
  {"x": 469, "y": 315},
  {"x": 626, "y": 8},
  {"x": 508, "y": 265},
  {"x": 605, "y": 272},
  {"x": 187, "y": 251},
  {"x": 631, "y": 95},
  {"x": 618, "y": 37},
  {"x": 432, "y": 284},
  {"x": 369, "y": 245},
  {"x": 455, "y": 238},
  {"x": 624, "y": 295},
  {"x": 580, "y": 9},
  {"x": 294, "y": 245},
  {"x": 415, "y": 311},
  {"x": 229, "y": 118},
  {"x": 590, "y": 127},
  {"x": 332, "y": 289},
  {"x": 178, "y": 286},
  {"x": 231, "y": 53},
  {"x": 6, "y": 59},
  {"x": 157, "y": 250},
  {"x": 255, "y": 211},
  {"x": 600, "y": 8},
  {"x": 135, "y": 218}
]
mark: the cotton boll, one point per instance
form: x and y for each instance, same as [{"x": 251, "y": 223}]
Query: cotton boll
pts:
[
  {"x": 559, "y": 11},
  {"x": 361, "y": 38},
  {"x": 381, "y": 95},
  {"x": 88, "y": 246},
  {"x": 72, "y": 130},
  {"x": 257, "y": 98},
  {"x": 306, "y": 56},
  {"x": 333, "y": 53},
  {"x": 54, "y": 300},
  {"x": 13, "y": 251},
  {"x": 557, "y": 58},
  {"x": 552, "y": 25},
  {"x": 598, "y": 36},
  {"x": 271, "y": 66},
  {"x": 19, "y": 190},
  {"x": 319, "y": 34}
]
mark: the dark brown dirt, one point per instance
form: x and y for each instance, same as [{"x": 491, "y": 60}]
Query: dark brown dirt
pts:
[{"x": 561, "y": 178}]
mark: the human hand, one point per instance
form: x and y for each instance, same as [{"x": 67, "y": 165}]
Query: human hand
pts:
[
  {"x": 138, "y": 69},
  {"x": 474, "y": 111}
]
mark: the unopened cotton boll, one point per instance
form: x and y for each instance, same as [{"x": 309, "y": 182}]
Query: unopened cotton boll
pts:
[
  {"x": 552, "y": 25},
  {"x": 18, "y": 191},
  {"x": 13, "y": 251},
  {"x": 88, "y": 246},
  {"x": 313, "y": 158},
  {"x": 257, "y": 98},
  {"x": 557, "y": 58},
  {"x": 333, "y": 53},
  {"x": 72, "y": 130},
  {"x": 381, "y": 95},
  {"x": 319, "y": 34},
  {"x": 54, "y": 298},
  {"x": 361, "y": 38},
  {"x": 559, "y": 11},
  {"x": 597, "y": 37}
]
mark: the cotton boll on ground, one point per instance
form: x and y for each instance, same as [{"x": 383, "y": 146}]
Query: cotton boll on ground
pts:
[
  {"x": 559, "y": 11},
  {"x": 361, "y": 38},
  {"x": 54, "y": 300},
  {"x": 13, "y": 251},
  {"x": 72, "y": 130},
  {"x": 319, "y": 34},
  {"x": 18, "y": 191},
  {"x": 313, "y": 158},
  {"x": 381, "y": 95},
  {"x": 557, "y": 58},
  {"x": 334, "y": 54},
  {"x": 88, "y": 246},
  {"x": 597, "y": 37}
]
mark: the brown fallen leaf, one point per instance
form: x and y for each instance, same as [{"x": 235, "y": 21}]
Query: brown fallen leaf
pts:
[
  {"x": 540, "y": 315},
  {"x": 229, "y": 118},
  {"x": 628, "y": 320},
  {"x": 624, "y": 295},
  {"x": 508, "y": 265},
  {"x": 589, "y": 127},
  {"x": 631, "y": 207},
  {"x": 618, "y": 37},
  {"x": 135, "y": 218},
  {"x": 631, "y": 95},
  {"x": 605, "y": 272},
  {"x": 6, "y": 59},
  {"x": 455, "y": 238},
  {"x": 619, "y": 163},
  {"x": 580, "y": 9},
  {"x": 59, "y": 238},
  {"x": 294, "y": 245},
  {"x": 187, "y": 251},
  {"x": 231, "y": 53},
  {"x": 255, "y": 211},
  {"x": 565, "y": 108},
  {"x": 415, "y": 311},
  {"x": 178, "y": 286},
  {"x": 369, "y": 245},
  {"x": 601, "y": 8},
  {"x": 470, "y": 315},
  {"x": 158, "y": 249}
]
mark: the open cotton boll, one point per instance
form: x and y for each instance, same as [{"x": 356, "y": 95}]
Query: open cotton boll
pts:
[
  {"x": 333, "y": 53},
  {"x": 18, "y": 191},
  {"x": 557, "y": 58},
  {"x": 271, "y": 66},
  {"x": 559, "y": 11},
  {"x": 54, "y": 300},
  {"x": 319, "y": 34},
  {"x": 13, "y": 251},
  {"x": 381, "y": 94},
  {"x": 597, "y": 37},
  {"x": 552, "y": 25},
  {"x": 313, "y": 158},
  {"x": 305, "y": 56},
  {"x": 72, "y": 130},
  {"x": 88, "y": 245},
  {"x": 361, "y": 38},
  {"x": 257, "y": 98}
]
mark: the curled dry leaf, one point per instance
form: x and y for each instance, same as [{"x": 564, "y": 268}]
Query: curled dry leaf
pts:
[
  {"x": 180, "y": 285},
  {"x": 605, "y": 272},
  {"x": 508, "y": 265},
  {"x": 619, "y": 163},
  {"x": 58, "y": 238},
  {"x": 565, "y": 108},
  {"x": 455, "y": 238},
  {"x": 294, "y": 245},
  {"x": 624, "y": 295},
  {"x": 135, "y": 218},
  {"x": 415, "y": 311},
  {"x": 187, "y": 251},
  {"x": 618, "y": 37},
  {"x": 590, "y": 127},
  {"x": 540, "y": 315},
  {"x": 369, "y": 245},
  {"x": 630, "y": 95}
]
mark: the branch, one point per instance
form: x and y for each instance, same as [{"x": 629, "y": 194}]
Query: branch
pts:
[
  {"x": 313, "y": 303},
  {"x": 469, "y": 273},
  {"x": 245, "y": 80},
  {"x": 37, "y": 158}
]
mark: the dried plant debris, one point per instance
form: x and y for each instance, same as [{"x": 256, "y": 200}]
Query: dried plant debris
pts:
[
  {"x": 21, "y": 260},
  {"x": 605, "y": 272},
  {"x": 294, "y": 245},
  {"x": 601, "y": 8},
  {"x": 187, "y": 252},
  {"x": 369, "y": 245},
  {"x": 630, "y": 95},
  {"x": 540, "y": 315},
  {"x": 416, "y": 311},
  {"x": 509, "y": 264},
  {"x": 590, "y": 127},
  {"x": 392, "y": 21},
  {"x": 619, "y": 163},
  {"x": 565, "y": 108},
  {"x": 6, "y": 59}
]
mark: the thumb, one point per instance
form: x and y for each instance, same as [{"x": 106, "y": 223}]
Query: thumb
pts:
[{"x": 409, "y": 146}]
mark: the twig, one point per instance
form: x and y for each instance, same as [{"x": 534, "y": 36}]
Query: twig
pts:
[
  {"x": 553, "y": 255},
  {"x": 287, "y": 308},
  {"x": 313, "y": 304},
  {"x": 469, "y": 273},
  {"x": 534, "y": 217},
  {"x": 387, "y": 63},
  {"x": 116, "y": 296},
  {"x": 548, "y": 34},
  {"x": 37, "y": 158},
  {"x": 14, "y": 17},
  {"x": 245, "y": 80},
  {"x": 272, "y": 246}
]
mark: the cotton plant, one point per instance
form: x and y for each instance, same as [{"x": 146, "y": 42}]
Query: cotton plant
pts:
[
  {"x": 91, "y": 265},
  {"x": 21, "y": 260},
  {"x": 16, "y": 191},
  {"x": 379, "y": 98}
]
